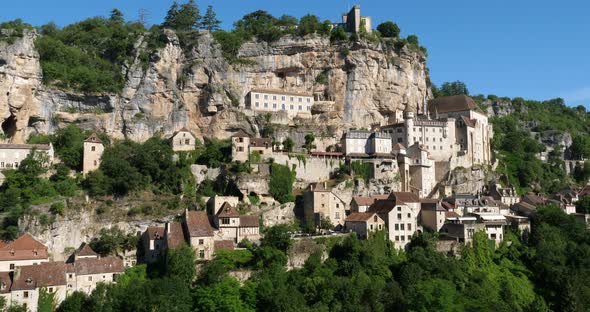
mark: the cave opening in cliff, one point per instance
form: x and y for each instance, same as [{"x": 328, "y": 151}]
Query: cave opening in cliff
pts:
[{"x": 9, "y": 126}]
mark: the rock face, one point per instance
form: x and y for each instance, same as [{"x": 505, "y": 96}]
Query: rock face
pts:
[{"x": 198, "y": 88}]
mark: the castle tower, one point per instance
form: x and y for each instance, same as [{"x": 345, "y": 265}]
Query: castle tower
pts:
[{"x": 93, "y": 149}]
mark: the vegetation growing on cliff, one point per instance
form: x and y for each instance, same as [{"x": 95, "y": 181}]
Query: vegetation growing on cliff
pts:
[{"x": 546, "y": 271}]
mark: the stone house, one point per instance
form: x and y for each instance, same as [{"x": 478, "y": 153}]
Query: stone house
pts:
[
  {"x": 154, "y": 243},
  {"x": 243, "y": 145},
  {"x": 200, "y": 233},
  {"x": 364, "y": 143},
  {"x": 463, "y": 228},
  {"x": 234, "y": 226},
  {"x": 363, "y": 223},
  {"x": 25, "y": 250},
  {"x": 321, "y": 202},
  {"x": 183, "y": 140},
  {"x": 421, "y": 169},
  {"x": 216, "y": 201},
  {"x": 362, "y": 203},
  {"x": 506, "y": 195},
  {"x": 400, "y": 212},
  {"x": 432, "y": 214},
  {"x": 11, "y": 155},
  {"x": 83, "y": 273},
  {"x": 93, "y": 150},
  {"x": 269, "y": 100}
]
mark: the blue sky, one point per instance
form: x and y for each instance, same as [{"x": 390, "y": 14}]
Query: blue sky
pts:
[{"x": 537, "y": 49}]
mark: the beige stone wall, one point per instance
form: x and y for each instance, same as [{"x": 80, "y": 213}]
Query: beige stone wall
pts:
[
  {"x": 399, "y": 219},
  {"x": 313, "y": 169},
  {"x": 5, "y": 265},
  {"x": 87, "y": 283},
  {"x": 92, "y": 154},
  {"x": 274, "y": 102},
  {"x": 240, "y": 149},
  {"x": 10, "y": 158},
  {"x": 203, "y": 246},
  {"x": 183, "y": 141}
]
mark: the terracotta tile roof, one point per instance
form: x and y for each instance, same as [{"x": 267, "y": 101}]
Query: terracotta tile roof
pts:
[
  {"x": 40, "y": 275},
  {"x": 240, "y": 134},
  {"x": 368, "y": 200},
  {"x": 23, "y": 248},
  {"x": 176, "y": 236},
  {"x": 227, "y": 211},
  {"x": 155, "y": 232},
  {"x": 183, "y": 129},
  {"x": 197, "y": 223},
  {"x": 223, "y": 245},
  {"x": 533, "y": 199},
  {"x": 404, "y": 197},
  {"x": 88, "y": 266},
  {"x": 382, "y": 206},
  {"x": 85, "y": 250},
  {"x": 456, "y": 103},
  {"x": 261, "y": 142},
  {"x": 93, "y": 138},
  {"x": 359, "y": 217},
  {"x": 249, "y": 221},
  {"x": 447, "y": 205},
  {"x": 5, "y": 282}
]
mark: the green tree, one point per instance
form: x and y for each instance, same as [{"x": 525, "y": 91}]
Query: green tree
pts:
[
  {"x": 116, "y": 17},
  {"x": 288, "y": 145},
  {"x": 581, "y": 147},
  {"x": 46, "y": 301},
  {"x": 583, "y": 205},
  {"x": 222, "y": 296},
  {"x": 338, "y": 34},
  {"x": 183, "y": 17},
  {"x": 73, "y": 303},
  {"x": 113, "y": 240},
  {"x": 309, "y": 139},
  {"x": 389, "y": 29},
  {"x": 278, "y": 237},
  {"x": 180, "y": 263},
  {"x": 281, "y": 183},
  {"x": 454, "y": 88},
  {"x": 413, "y": 39},
  {"x": 210, "y": 21},
  {"x": 308, "y": 24},
  {"x": 69, "y": 145}
]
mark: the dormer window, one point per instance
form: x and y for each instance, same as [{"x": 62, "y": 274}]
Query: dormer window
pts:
[
  {"x": 12, "y": 252},
  {"x": 35, "y": 253},
  {"x": 29, "y": 281}
]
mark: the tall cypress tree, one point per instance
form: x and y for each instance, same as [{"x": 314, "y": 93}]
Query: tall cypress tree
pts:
[{"x": 210, "y": 21}]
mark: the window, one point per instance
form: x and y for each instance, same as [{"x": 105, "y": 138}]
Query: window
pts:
[
  {"x": 291, "y": 99},
  {"x": 409, "y": 226},
  {"x": 291, "y": 107},
  {"x": 266, "y": 97},
  {"x": 90, "y": 278},
  {"x": 309, "y": 108},
  {"x": 12, "y": 266},
  {"x": 401, "y": 227},
  {"x": 337, "y": 215},
  {"x": 274, "y": 97},
  {"x": 25, "y": 294},
  {"x": 300, "y": 99},
  {"x": 240, "y": 148},
  {"x": 397, "y": 227},
  {"x": 403, "y": 238},
  {"x": 201, "y": 241},
  {"x": 379, "y": 227},
  {"x": 400, "y": 130},
  {"x": 257, "y": 104},
  {"x": 282, "y": 98},
  {"x": 224, "y": 220},
  {"x": 93, "y": 148},
  {"x": 375, "y": 219},
  {"x": 266, "y": 105},
  {"x": 300, "y": 108},
  {"x": 400, "y": 140},
  {"x": 399, "y": 208},
  {"x": 70, "y": 275},
  {"x": 283, "y": 106},
  {"x": 399, "y": 216},
  {"x": 409, "y": 215},
  {"x": 409, "y": 237},
  {"x": 187, "y": 141},
  {"x": 397, "y": 238},
  {"x": 256, "y": 96},
  {"x": 202, "y": 254},
  {"x": 337, "y": 205},
  {"x": 371, "y": 227},
  {"x": 274, "y": 105}
]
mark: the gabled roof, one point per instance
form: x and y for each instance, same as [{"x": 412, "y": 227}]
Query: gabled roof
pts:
[
  {"x": 41, "y": 275},
  {"x": 261, "y": 142},
  {"x": 183, "y": 129},
  {"x": 155, "y": 232},
  {"x": 86, "y": 251},
  {"x": 23, "y": 248},
  {"x": 249, "y": 221},
  {"x": 383, "y": 206},
  {"x": 93, "y": 138},
  {"x": 228, "y": 211},
  {"x": 240, "y": 134},
  {"x": 360, "y": 217},
  {"x": 175, "y": 237},
  {"x": 223, "y": 245},
  {"x": 404, "y": 197},
  {"x": 456, "y": 103},
  {"x": 533, "y": 199},
  {"x": 368, "y": 200},
  {"x": 86, "y": 266},
  {"x": 197, "y": 224}
]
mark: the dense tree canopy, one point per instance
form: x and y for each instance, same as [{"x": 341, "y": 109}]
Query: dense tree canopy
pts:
[{"x": 389, "y": 29}]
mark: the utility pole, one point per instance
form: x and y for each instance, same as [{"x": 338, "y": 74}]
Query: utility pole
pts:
[{"x": 143, "y": 15}]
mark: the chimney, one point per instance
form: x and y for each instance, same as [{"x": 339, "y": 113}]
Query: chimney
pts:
[
  {"x": 167, "y": 227},
  {"x": 325, "y": 184}
]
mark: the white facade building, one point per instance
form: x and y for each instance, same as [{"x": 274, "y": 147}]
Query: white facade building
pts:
[{"x": 268, "y": 100}]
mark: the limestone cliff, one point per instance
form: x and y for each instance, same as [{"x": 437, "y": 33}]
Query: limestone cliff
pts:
[{"x": 199, "y": 89}]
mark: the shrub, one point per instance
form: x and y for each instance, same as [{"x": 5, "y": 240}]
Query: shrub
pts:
[
  {"x": 389, "y": 29},
  {"x": 57, "y": 208},
  {"x": 281, "y": 183}
]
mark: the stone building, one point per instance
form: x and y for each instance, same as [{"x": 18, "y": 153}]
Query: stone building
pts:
[
  {"x": 320, "y": 202},
  {"x": 269, "y": 100},
  {"x": 421, "y": 170},
  {"x": 93, "y": 150},
  {"x": 506, "y": 195},
  {"x": 353, "y": 22},
  {"x": 11, "y": 155},
  {"x": 25, "y": 250},
  {"x": 234, "y": 226},
  {"x": 154, "y": 243},
  {"x": 200, "y": 233},
  {"x": 243, "y": 145},
  {"x": 432, "y": 214},
  {"x": 400, "y": 212},
  {"x": 183, "y": 140},
  {"x": 363, "y": 223},
  {"x": 362, "y": 203},
  {"x": 83, "y": 273},
  {"x": 364, "y": 143}
]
